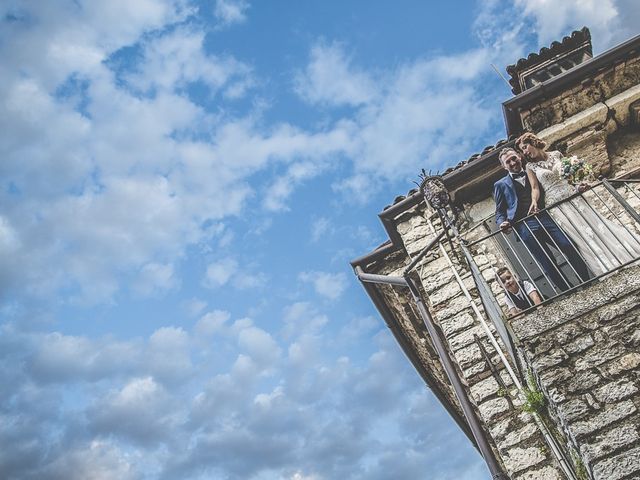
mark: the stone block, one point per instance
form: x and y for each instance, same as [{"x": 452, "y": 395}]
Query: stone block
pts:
[
  {"x": 484, "y": 389},
  {"x": 598, "y": 356},
  {"x": 457, "y": 323},
  {"x": 468, "y": 356},
  {"x": 501, "y": 428},
  {"x": 518, "y": 436},
  {"x": 573, "y": 409},
  {"x": 621, "y": 103},
  {"x": 475, "y": 369},
  {"x": 452, "y": 308},
  {"x": 630, "y": 361},
  {"x": 444, "y": 293},
  {"x": 555, "y": 376},
  {"x": 579, "y": 344},
  {"x": 608, "y": 442},
  {"x": 519, "y": 459},
  {"x": 615, "y": 391},
  {"x": 545, "y": 473},
  {"x": 592, "y": 115},
  {"x": 583, "y": 381},
  {"x": 466, "y": 337},
  {"x": 609, "y": 415},
  {"x": 492, "y": 408},
  {"x": 620, "y": 466},
  {"x": 549, "y": 359}
]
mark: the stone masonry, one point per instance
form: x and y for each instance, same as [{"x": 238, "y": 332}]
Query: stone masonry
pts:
[{"x": 585, "y": 352}]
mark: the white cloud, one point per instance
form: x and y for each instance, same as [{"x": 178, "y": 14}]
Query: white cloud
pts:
[
  {"x": 328, "y": 285},
  {"x": 155, "y": 278},
  {"x": 260, "y": 345},
  {"x": 174, "y": 60},
  {"x": 330, "y": 79},
  {"x": 320, "y": 228},
  {"x": 228, "y": 272},
  {"x": 211, "y": 322},
  {"x": 231, "y": 11},
  {"x": 141, "y": 410},
  {"x": 99, "y": 460},
  {"x": 302, "y": 318},
  {"x": 168, "y": 356},
  {"x": 554, "y": 20},
  {"x": 219, "y": 273}
]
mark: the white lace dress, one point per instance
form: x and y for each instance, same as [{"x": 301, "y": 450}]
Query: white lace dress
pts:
[{"x": 604, "y": 245}]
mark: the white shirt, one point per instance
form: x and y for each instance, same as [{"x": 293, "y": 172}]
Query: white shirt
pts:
[
  {"x": 528, "y": 288},
  {"x": 520, "y": 180}
]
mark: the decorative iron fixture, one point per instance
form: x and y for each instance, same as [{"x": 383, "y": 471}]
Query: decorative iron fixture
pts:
[{"x": 434, "y": 191}]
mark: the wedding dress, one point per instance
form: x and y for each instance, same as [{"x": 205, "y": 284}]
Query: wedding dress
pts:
[{"x": 604, "y": 245}]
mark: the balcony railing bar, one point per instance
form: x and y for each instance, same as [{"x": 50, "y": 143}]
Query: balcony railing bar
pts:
[
  {"x": 632, "y": 191},
  {"x": 585, "y": 240},
  {"x": 573, "y": 289},
  {"x": 563, "y": 254},
  {"x": 613, "y": 235},
  {"x": 577, "y": 194},
  {"x": 524, "y": 269},
  {"x": 536, "y": 261},
  {"x": 615, "y": 194},
  {"x": 618, "y": 219}
]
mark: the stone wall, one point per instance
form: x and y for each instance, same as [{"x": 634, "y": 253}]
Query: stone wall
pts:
[
  {"x": 518, "y": 442},
  {"x": 585, "y": 352},
  {"x": 591, "y": 91}
]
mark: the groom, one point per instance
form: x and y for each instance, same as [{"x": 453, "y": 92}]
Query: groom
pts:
[{"x": 513, "y": 201}]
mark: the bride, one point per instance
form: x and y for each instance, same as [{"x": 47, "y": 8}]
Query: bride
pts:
[{"x": 604, "y": 245}]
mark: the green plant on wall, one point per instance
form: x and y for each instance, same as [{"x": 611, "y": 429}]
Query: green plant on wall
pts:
[
  {"x": 534, "y": 400},
  {"x": 580, "y": 469}
]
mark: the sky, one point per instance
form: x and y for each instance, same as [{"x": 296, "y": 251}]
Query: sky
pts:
[{"x": 183, "y": 185}]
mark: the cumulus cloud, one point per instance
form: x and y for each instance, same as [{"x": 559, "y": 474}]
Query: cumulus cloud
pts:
[
  {"x": 328, "y": 285},
  {"x": 231, "y": 11},
  {"x": 228, "y": 271},
  {"x": 320, "y": 228},
  {"x": 553, "y": 21},
  {"x": 175, "y": 60},
  {"x": 155, "y": 278},
  {"x": 330, "y": 79},
  {"x": 211, "y": 322}
]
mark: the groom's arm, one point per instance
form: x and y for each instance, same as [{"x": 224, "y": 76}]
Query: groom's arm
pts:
[{"x": 501, "y": 204}]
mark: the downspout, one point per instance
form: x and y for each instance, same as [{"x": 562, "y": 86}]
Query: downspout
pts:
[
  {"x": 407, "y": 349},
  {"x": 470, "y": 414}
]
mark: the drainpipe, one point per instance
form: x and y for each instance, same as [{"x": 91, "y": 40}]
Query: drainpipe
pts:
[{"x": 470, "y": 414}]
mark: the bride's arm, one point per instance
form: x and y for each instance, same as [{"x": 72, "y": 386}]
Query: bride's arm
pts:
[{"x": 535, "y": 191}]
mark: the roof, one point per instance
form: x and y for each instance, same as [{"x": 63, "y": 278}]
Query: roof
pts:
[{"x": 578, "y": 38}]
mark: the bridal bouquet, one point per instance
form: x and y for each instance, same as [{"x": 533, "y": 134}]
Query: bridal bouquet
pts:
[{"x": 575, "y": 170}]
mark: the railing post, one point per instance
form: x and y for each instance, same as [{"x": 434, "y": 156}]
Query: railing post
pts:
[{"x": 630, "y": 210}]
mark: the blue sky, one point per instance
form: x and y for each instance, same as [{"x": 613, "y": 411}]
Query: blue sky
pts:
[{"x": 183, "y": 185}]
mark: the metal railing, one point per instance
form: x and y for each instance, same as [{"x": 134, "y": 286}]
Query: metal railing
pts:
[{"x": 565, "y": 246}]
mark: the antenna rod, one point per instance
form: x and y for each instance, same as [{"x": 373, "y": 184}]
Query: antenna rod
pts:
[{"x": 501, "y": 76}]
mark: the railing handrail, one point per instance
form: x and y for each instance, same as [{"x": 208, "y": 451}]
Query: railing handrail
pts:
[
  {"x": 627, "y": 213},
  {"x": 545, "y": 209}
]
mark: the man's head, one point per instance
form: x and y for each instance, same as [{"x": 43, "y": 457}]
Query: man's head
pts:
[
  {"x": 506, "y": 278},
  {"x": 511, "y": 160}
]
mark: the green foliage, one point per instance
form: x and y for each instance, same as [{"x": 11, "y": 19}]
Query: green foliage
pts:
[
  {"x": 580, "y": 469},
  {"x": 502, "y": 392},
  {"x": 535, "y": 401}
]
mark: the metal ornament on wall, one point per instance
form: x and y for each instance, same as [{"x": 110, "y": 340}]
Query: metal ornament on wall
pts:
[
  {"x": 434, "y": 190},
  {"x": 437, "y": 196}
]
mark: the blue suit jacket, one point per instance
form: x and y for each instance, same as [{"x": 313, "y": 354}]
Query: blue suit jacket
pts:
[
  {"x": 504, "y": 193},
  {"x": 506, "y": 199}
]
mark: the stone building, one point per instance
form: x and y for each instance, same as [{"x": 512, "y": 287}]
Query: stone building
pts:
[{"x": 551, "y": 393}]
